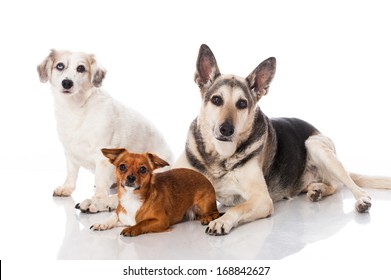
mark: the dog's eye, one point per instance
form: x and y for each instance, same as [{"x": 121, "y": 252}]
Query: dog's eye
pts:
[
  {"x": 142, "y": 170},
  {"x": 217, "y": 100},
  {"x": 60, "y": 66},
  {"x": 241, "y": 104},
  {"x": 122, "y": 167},
  {"x": 80, "y": 69}
]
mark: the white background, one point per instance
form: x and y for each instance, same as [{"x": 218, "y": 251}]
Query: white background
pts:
[
  {"x": 333, "y": 64},
  {"x": 333, "y": 70}
]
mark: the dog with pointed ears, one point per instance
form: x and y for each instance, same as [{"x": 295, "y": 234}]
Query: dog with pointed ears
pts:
[
  {"x": 88, "y": 119},
  {"x": 253, "y": 161},
  {"x": 151, "y": 202}
]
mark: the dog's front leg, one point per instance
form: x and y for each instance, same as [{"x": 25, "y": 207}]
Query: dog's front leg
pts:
[
  {"x": 146, "y": 226},
  {"x": 253, "y": 209},
  {"x": 70, "y": 182},
  {"x": 109, "y": 223},
  {"x": 101, "y": 201},
  {"x": 251, "y": 186}
]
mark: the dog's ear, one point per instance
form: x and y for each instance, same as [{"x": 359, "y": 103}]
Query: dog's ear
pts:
[
  {"x": 45, "y": 68},
  {"x": 112, "y": 154},
  {"x": 206, "y": 69},
  {"x": 259, "y": 80},
  {"x": 98, "y": 73},
  {"x": 156, "y": 161}
]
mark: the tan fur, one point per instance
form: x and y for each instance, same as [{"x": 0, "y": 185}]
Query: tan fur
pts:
[
  {"x": 165, "y": 197},
  {"x": 376, "y": 182}
]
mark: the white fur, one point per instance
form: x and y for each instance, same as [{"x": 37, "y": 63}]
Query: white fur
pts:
[
  {"x": 131, "y": 203},
  {"x": 109, "y": 223},
  {"x": 88, "y": 119}
]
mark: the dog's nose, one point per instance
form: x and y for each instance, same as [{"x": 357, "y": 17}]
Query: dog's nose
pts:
[
  {"x": 131, "y": 179},
  {"x": 227, "y": 129},
  {"x": 67, "y": 84}
]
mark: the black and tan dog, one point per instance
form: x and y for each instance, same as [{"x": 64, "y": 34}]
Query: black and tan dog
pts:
[{"x": 253, "y": 161}]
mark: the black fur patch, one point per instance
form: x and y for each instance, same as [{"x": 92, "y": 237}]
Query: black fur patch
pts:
[{"x": 291, "y": 155}]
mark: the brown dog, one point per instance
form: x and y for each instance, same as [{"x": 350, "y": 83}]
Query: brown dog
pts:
[{"x": 151, "y": 202}]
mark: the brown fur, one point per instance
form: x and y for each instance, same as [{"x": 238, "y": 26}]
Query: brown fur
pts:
[{"x": 166, "y": 196}]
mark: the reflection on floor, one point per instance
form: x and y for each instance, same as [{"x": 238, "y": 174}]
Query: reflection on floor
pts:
[
  {"x": 49, "y": 228},
  {"x": 332, "y": 224}
]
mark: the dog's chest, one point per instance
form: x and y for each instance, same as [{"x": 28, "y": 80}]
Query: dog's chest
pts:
[
  {"x": 228, "y": 189},
  {"x": 81, "y": 135},
  {"x": 80, "y": 146},
  {"x": 131, "y": 203}
]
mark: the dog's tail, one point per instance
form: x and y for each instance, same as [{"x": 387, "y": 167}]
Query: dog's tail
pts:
[{"x": 374, "y": 182}]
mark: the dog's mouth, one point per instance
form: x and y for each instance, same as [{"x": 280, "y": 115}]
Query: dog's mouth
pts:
[
  {"x": 133, "y": 187},
  {"x": 224, "y": 139},
  {"x": 66, "y": 91}
]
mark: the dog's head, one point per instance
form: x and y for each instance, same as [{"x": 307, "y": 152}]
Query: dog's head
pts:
[
  {"x": 229, "y": 101},
  {"x": 133, "y": 170},
  {"x": 71, "y": 73}
]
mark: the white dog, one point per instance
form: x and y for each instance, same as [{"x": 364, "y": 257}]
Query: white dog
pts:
[{"x": 88, "y": 119}]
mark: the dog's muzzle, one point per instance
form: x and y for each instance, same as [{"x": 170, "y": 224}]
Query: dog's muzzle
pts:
[
  {"x": 67, "y": 84},
  {"x": 130, "y": 179},
  {"x": 130, "y": 182},
  {"x": 226, "y": 132}
]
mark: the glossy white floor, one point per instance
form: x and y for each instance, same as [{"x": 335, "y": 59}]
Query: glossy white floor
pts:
[
  {"x": 52, "y": 228},
  {"x": 299, "y": 228}
]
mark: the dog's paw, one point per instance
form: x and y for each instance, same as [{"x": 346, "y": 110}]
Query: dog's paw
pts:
[
  {"x": 314, "y": 195},
  {"x": 98, "y": 226},
  {"x": 130, "y": 231},
  {"x": 205, "y": 220},
  {"x": 63, "y": 191},
  {"x": 96, "y": 205},
  {"x": 218, "y": 227},
  {"x": 363, "y": 204}
]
